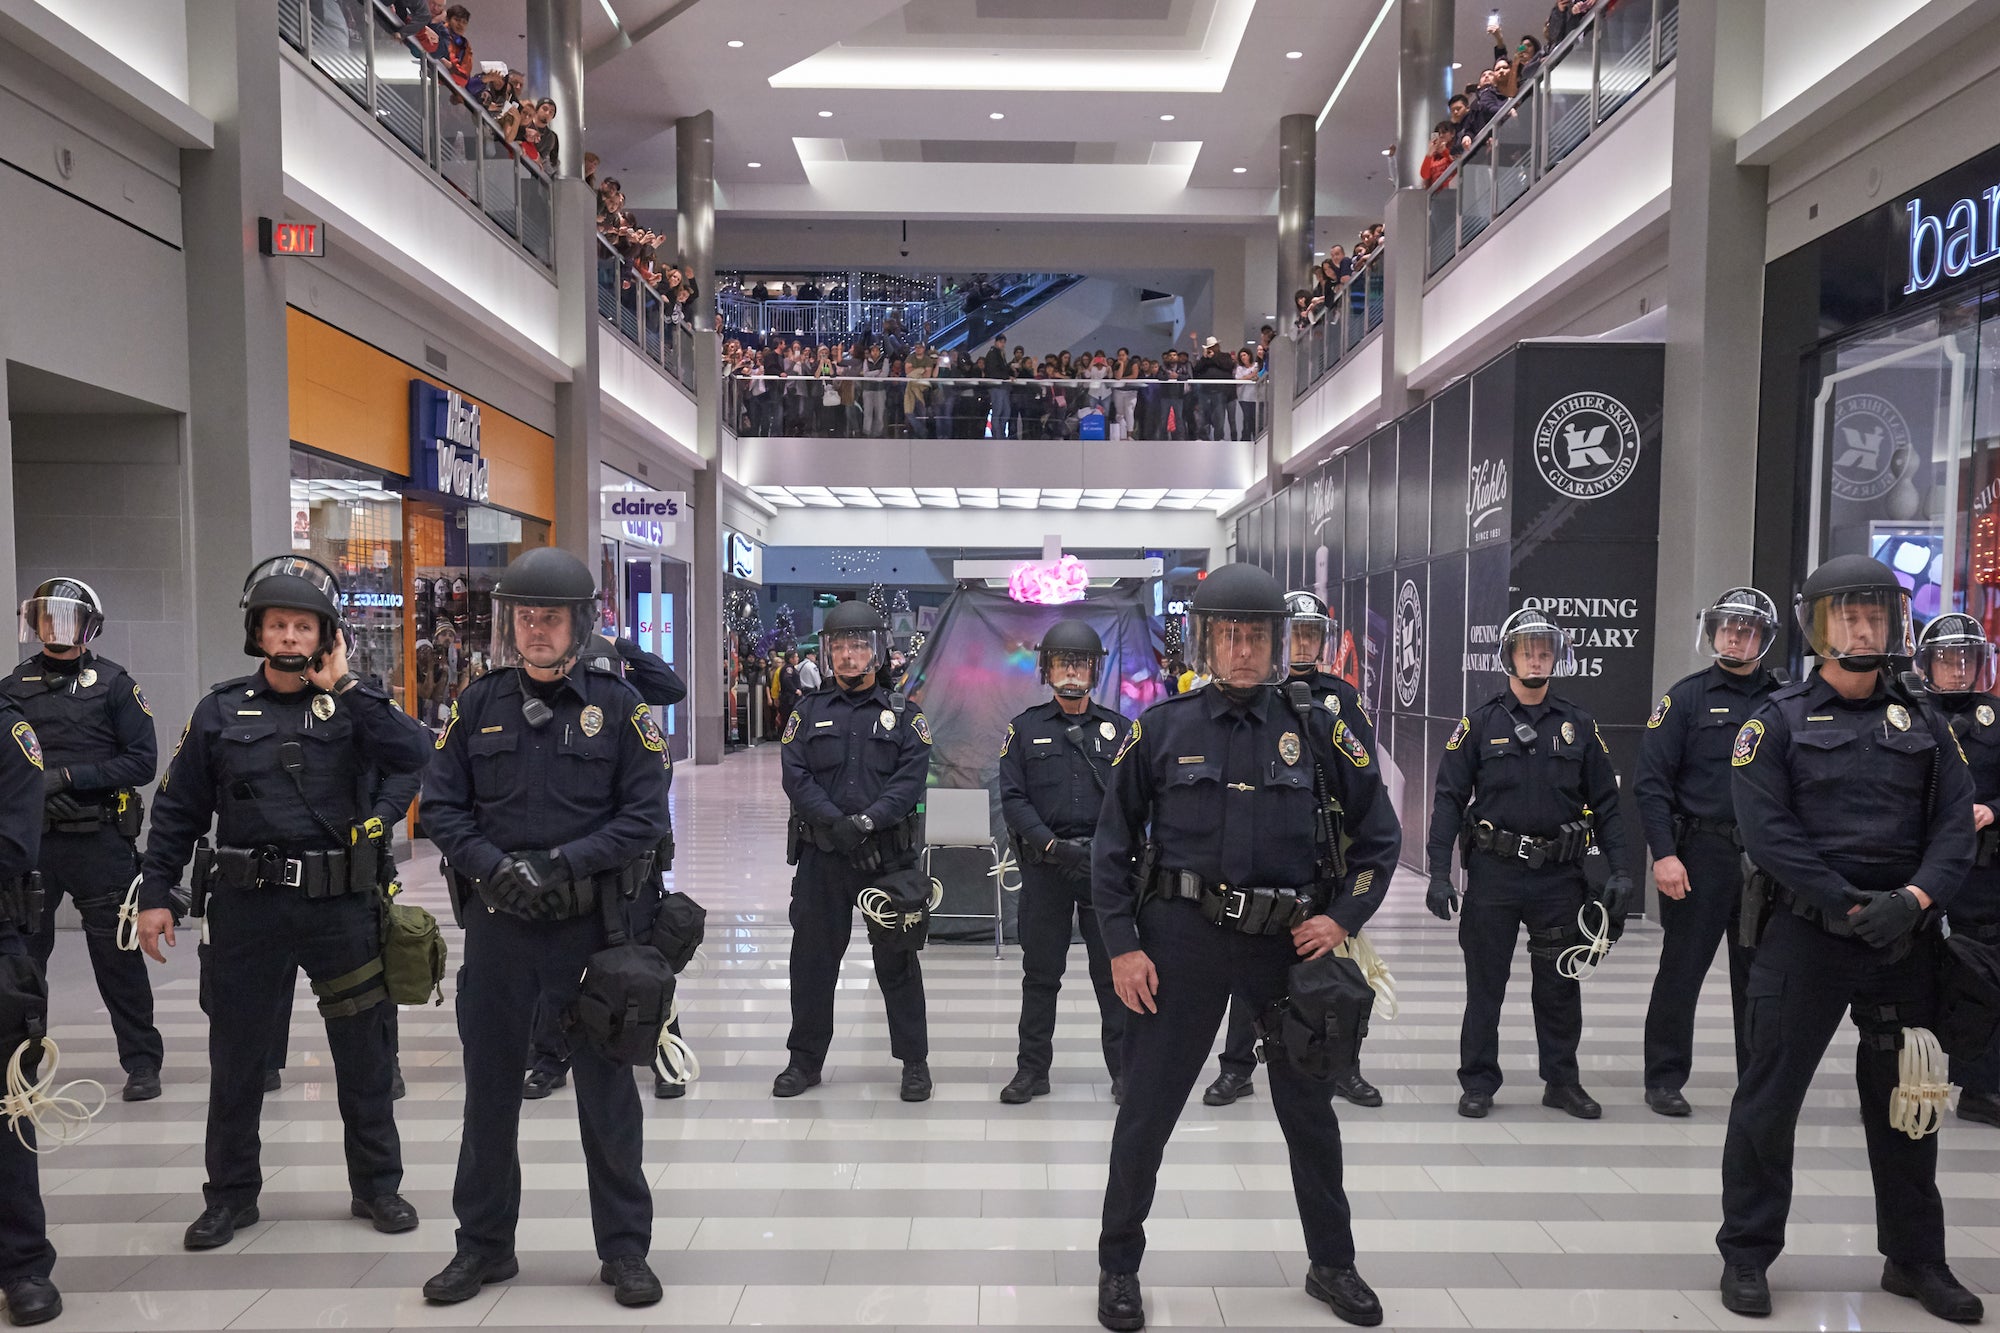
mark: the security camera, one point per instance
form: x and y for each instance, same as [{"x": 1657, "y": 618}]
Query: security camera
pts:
[{"x": 904, "y": 253}]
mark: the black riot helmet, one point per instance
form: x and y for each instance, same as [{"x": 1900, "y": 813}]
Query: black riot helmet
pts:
[
  {"x": 1312, "y": 628},
  {"x": 1528, "y": 629},
  {"x": 544, "y": 610},
  {"x": 853, "y": 623},
  {"x": 1240, "y": 629},
  {"x": 1854, "y": 612},
  {"x": 1955, "y": 657},
  {"x": 1738, "y": 613},
  {"x": 295, "y": 583},
  {"x": 61, "y": 613},
  {"x": 1072, "y": 639}
]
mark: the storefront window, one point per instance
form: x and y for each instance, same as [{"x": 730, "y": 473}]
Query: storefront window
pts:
[
  {"x": 346, "y": 517},
  {"x": 456, "y": 555}
]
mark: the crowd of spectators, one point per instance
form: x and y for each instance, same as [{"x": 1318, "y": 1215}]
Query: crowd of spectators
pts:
[
  {"x": 1511, "y": 71},
  {"x": 632, "y": 251},
  {"x": 442, "y": 30},
  {"x": 1312, "y": 304}
]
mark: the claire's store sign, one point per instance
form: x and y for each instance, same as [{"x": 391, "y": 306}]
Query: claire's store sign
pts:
[{"x": 444, "y": 443}]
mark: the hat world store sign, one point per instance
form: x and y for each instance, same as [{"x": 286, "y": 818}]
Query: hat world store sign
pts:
[{"x": 444, "y": 444}]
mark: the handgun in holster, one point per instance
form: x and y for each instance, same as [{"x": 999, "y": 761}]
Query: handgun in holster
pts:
[
  {"x": 128, "y": 813},
  {"x": 198, "y": 877},
  {"x": 1148, "y": 861},
  {"x": 1755, "y": 911},
  {"x": 795, "y": 836}
]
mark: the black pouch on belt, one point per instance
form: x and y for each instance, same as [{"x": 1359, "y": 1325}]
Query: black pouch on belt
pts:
[
  {"x": 129, "y": 812},
  {"x": 1968, "y": 1014},
  {"x": 678, "y": 927},
  {"x": 1320, "y": 1023}
]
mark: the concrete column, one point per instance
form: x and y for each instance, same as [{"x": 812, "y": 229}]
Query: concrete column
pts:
[
  {"x": 239, "y": 424},
  {"x": 555, "y": 68},
  {"x": 1715, "y": 294},
  {"x": 694, "y": 195},
  {"x": 1298, "y": 149},
  {"x": 1423, "y": 90}
]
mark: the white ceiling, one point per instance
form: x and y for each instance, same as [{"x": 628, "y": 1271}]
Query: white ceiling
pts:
[{"x": 989, "y": 497}]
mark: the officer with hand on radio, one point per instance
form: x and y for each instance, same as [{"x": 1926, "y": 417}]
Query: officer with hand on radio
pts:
[
  {"x": 1219, "y": 865},
  {"x": 1527, "y": 779},
  {"x": 1053, "y": 764},
  {"x": 548, "y": 796},
  {"x": 1313, "y": 632},
  {"x": 98, "y": 749},
  {"x": 1852, "y": 795},
  {"x": 1683, "y": 791},
  {"x": 855, "y": 759},
  {"x": 284, "y": 761}
]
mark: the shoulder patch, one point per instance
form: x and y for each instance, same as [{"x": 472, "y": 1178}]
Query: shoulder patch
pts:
[
  {"x": 1599, "y": 732},
  {"x": 1660, "y": 711},
  {"x": 1350, "y": 745},
  {"x": 921, "y": 725},
  {"x": 450, "y": 721},
  {"x": 648, "y": 729},
  {"x": 1459, "y": 733},
  {"x": 791, "y": 728},
  {"x": 1745, "y": 748},
  {"x": 1131, "y": 739},
  {"x": 140, "y": 699},
  {"x": 24, "y": 736},
  {"x": 1007, "y": 740}
]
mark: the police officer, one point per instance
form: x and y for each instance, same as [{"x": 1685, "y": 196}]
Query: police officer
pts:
[
  {"x": 657, "y": 683},
  {"x": 1956, "y": 661},
  {"x": 1851, "y": 794},
  {"x": 98, "y": 748},
  {"x": 1242, "y": 878},
  {"x": 26, "y": 1257},
  {"x": 1053, "y": 765},
  {"x": 548, "y": 796},
  {"x": 855, "y": 758},
  {"x": 1690, "y": 822},
  {"x": 284, "y": 760},
  {"x": 1528, "y": 781},
  {"x": 1312, "y": 634}
]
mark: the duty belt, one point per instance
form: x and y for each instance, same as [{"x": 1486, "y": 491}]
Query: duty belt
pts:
[
  {"x": 891, "y": 839},
  {"x": 119, "y": 809},
  {"x": 1246, "y": 911},
  {"x": 1530, "y": 850},
  {"x": 1721, "y": 828},
  {"x": 321, "y": 874}
]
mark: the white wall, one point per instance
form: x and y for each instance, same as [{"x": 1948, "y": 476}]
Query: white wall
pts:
[
  {"x": 1214, "y": 464},
  {"x": 953, "y": 528},
  {"x": 1808, "y": 39},
  {"x": 1348, "y": 396},
  {"x": 148, "y": 35},
  {"x": 652, "y": 405}
]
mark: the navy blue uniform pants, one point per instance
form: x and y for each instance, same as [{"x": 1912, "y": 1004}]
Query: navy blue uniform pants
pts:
[
  {"x": 824, "y": 891},
  {"x": 1693, "y": 927},
  {"x": 1050, "y": 902},
  {"x": 510, "y": 966},
  {"x": 259, "y": 939},
  {"x": 94, "y": 870},
  {"x": 1802, "y": 982},
  {"x": 1499, "y": 904},
  {"x": 1978, "y": 916},
  {"x": 24, "y": 1233},
  {"x": 1201, "y": 968}
]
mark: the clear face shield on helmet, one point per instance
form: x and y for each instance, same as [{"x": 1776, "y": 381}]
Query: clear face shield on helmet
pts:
[
  {"x": 548, "y": 636},
  {"x": 1737, "y": 630},
  {"x": 1535, "y": 652},
  {"x": 1241, "y": 650},
  {"x": 295, "y": 567},
  {"x": 1859, "y": 629},
  {"x": 59, "y": 622},
  {"x": 1955, "y": 657},
  {"x": 852, "y": 653},
  {"x": 1309, "y": 636},
  {"x": 1073, "y": 674}
]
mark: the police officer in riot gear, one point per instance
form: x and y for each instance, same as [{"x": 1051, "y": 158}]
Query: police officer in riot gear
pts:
[
  {"x": 26, "y": 1257},
  {"x": 1219, "y": 865},
  {"x": 1957, "y": 662},
  {"x": 1683, "y": 791},
  {"x": 98, "y": 750},
  {"x": 1527, "y": 782},
  {"x": 284, "y": 762},
  {"x": 1313, "y": 633},
  {"x": 1053, "y": 766},
  {"x": 855, "y": 759},
  {"x": 1851, "y": 794},
  {"x": 548, "y": 797}
]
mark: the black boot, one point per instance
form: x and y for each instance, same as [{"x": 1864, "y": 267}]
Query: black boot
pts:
[
  {"x": 1475, "y": 1105},
  {"x": 1981, "y": 1106},
  {"x": 391, "y": 1213},
  {"x": 1120, "y": 1307},
  {"x": 1667, "y": 1101},
  {"x": 541, "y": 1082},
  {"x": 794, "y": 1081},
  {"x": 1356, "y": 1089},
  {"x": 1935, "y": 1289},
  {"x": 141, "y": 1085},
  {"x": 1745, "y": 1291},
  {"x": 666, "y": 1090},
  {"x": 1025, "y": 1086},
  {"x": 217, "y": 1226},
  {"x": 32, "y": 1300},
  {"x": 1227, "y": 1088},
  {"x": 1342, "y": 1288},
  {"x": 916, "y": 1081},
  {"x": 631, "y": 1279},
  {"x": 1571, "y": 1100},
  {"x": 466, "y": 1274}
]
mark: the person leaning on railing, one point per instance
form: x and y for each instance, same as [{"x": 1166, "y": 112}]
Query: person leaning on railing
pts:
[{"x": 920, "y": 367}]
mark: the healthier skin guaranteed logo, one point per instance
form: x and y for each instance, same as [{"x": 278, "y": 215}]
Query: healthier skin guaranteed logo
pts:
[
  {"x": 1587, "y": 445},
  {"x": 1870, "y": 447},
  {"x": 1409, "y": 644}
]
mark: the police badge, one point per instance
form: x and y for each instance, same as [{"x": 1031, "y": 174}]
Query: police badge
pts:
[
  {"x": 1109, "y": 732},
  {"x": 592, "y": 720},
  {"x": 86, "y": 678},
  {"x": 1569, "y": 733},
  {"x": 1985, "y": 715},
  {"x": 323, "y": 706},
  {"x": 1288, "y": 747},
  {"x": 888, "y": 720},
  {"x": 1899, "y": 717}
]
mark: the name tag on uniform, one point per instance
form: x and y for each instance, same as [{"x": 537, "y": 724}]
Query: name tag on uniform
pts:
[
  {"x": 488, "y": 731},
  {"x": 1043, "y": 740},
  {"x": 827, "y": 723},
  {"x": 249, "y": 712},
  {"x": 1823, "y": 717},
  {"x": 1499, "y": 740},
  {"x": 1718, "y": 710},
  {"x": 1193, "y": 758}
]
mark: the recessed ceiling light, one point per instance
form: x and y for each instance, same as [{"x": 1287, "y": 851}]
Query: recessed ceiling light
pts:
[
  {"x": 996, "y": 115},
  {"x": 754, "y": 165},
  {"x": 1239, "y": 170},
  {"x": 1295, "y": 55},
  {"x": 825, "y": 115},
  {"x": 735, "y": 44},
  {"x": 1457, "y": 65},
  {"x": 1168, "y": 116}
]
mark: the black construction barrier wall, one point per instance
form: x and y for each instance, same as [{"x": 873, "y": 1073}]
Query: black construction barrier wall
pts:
[{"x": 1535, "y": 481}]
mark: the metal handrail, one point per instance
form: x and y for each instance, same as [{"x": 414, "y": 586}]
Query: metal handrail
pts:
[
  {"x": 1466, "y": 199},
  {"x": 1344, "y": 322},
  {"x": 522, "y": 206},
  {"x": 642, "y": 320}
]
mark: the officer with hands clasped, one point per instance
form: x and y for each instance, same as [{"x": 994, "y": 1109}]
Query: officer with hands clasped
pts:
[
  {"x": 1683, "y": 791},
  {"x": 1244, "y": 831},
  {"x": 855, "y": 759},
  {"x": 98, "y": 749},
  {"x": 548, "y": 797},
  {"x": 1853, "y": 797},
  {"x": 1053, "y": 766},
  {"x": 284, "y": 763},
  {"x": 1527, "y": 781},
  {"x": 1956, "y": 660},
  {"x": 1313, "y": 631}
]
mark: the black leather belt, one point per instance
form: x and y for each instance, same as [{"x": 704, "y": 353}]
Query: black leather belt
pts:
[
  {"x": 1244, "y": 910},
  {"x": 320, "y": 874},
  {"x": 1528, "y": 849},
  {"x": 1721, "y": 828}
]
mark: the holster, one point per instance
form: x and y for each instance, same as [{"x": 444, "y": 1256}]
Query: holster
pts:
[
  {"x": 1755, "y": 911},
  {"x": 21, "y": 902}
]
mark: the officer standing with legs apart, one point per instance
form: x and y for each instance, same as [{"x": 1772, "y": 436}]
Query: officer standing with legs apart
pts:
[
  {"x": 98, "y": 749},
  {"x": 855, "y": 758},
  {"x": 1683, "y": 791},
  {"x": 1852, "y": 796},
  {"x": 1312, "y": 633},
  {"x": 26, "y": 1257},
  {"x": 1527, "y": 779},
  {"x": 285, "y": 761},
  {"x": 1956, "y": 661},
  {"x": 1053, "y": 767},
  {"x": 1243, "y": 832},
  {"x": 548, "y": 796}
]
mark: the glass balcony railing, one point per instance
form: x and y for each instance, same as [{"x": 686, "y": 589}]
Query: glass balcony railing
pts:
[
  {"x": 655, "y": 327},
  {"x": 414, "y": 98},
  {"x": 1338, "y": 326},
  {"x": 1580, "y": 85}
]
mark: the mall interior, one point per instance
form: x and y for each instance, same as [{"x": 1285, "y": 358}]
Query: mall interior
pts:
[{"x": 973, "y": 310}]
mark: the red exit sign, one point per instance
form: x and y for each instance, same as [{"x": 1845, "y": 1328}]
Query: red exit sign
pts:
[{"x": 293, "y": 240}]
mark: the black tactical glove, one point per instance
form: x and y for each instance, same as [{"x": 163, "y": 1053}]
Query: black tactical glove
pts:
[
  {"x": 1887, "y": 918},
  {"x": 1071, "y": 854},
  {"x": 1442, "y": 898},
  {"x": 515, "y": 886},
  {"x": 848, "y": 834},
  {"x": 1617, "y": 895},
  {"x": 62, "y": 807}
]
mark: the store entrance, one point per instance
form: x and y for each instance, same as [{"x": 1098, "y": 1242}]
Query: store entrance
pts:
[{"x": 650, "y": 612}]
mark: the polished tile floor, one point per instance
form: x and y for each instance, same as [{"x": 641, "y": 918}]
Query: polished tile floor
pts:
[{"x": 847, "y": 1207}]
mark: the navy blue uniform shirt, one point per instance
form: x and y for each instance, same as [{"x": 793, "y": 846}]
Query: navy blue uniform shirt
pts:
[
  {"x": 227, "y": 769},
  {"x": 1975, "y": 720},
  {"x": 20, "y": 796},
  {"x": 1226, "y": 790},
  {"x": 591, "y": 783},
  {"x": 1050, "y": 786},
  {"x": 1346, "y": 703},
  {"x": 1835, "y": 794},
  {"x": 99, "y": 729},
  {"x": 1684, "y": 753},
  {"x": 850, "y": 754}
]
